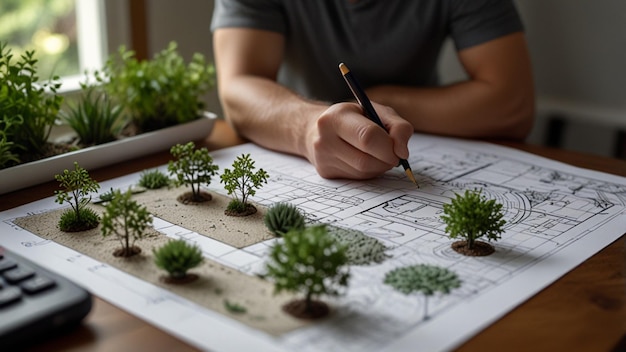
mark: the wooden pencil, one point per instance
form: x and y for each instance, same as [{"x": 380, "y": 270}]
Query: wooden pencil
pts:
[{"x": 369, "y": 111}]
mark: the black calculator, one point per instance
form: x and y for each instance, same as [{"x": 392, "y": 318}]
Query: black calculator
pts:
[{"x": 36, "y": 303}]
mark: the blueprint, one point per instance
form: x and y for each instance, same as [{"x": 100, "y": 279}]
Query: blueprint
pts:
[{"x": 557, "y": 217}]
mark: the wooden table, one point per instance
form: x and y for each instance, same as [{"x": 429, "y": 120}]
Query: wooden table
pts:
[{"x": 585, "y": 310}]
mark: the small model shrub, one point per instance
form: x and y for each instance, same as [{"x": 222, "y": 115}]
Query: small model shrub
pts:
[
  {"x": 192, "y": 167},
  {"x": 154, "y": 179},
  {"x": 28, "y": 108},
  {"x": 282, "y": 217},
  {"x": 76, "y": 186},
  {"x": 360, "y": 248},
  {"x": 107, "y": 196},
  {"x": 177, "y": 257},
  {"x": 471, "y": 216},
  {"x": 308, "y": 260},
  {"x": 242, "y": 182},
  {"x": 161, "y": 92},
  {"x": 234, "y": 308},
  {"x": 127, "y": 220},
  {"x": 424, "y": 278},
  {"x": 94, "y": 118}
]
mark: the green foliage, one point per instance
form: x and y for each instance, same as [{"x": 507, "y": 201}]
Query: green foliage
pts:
[
  {"x": 423, "y": 278},
  {"x": 234, "y": 307},
  {"x": 242, "y": 181},
  {"x": 160, "y": 92},
  {"x": 126, "y": 219},
  {"x": 154, "y": 179},
  {"x": 236, "y": 206},
  {"x": 360, "y": 248},
  {"x": 192, "y": 167},
  {"x": 471, "y": 216},
  {"x": 282, "y": 217},
  {"x": 107, "y": 196},
  {"x": 75, "y": 186},
  {"x": 310, "y": 261},
  {"x": 85, "y": 219},
  {"x": 94, "y": 118},
  {"x": 7, "y": 156},
  {"x": 28, "y": 108},
  {"x": 177, "y": 257}
]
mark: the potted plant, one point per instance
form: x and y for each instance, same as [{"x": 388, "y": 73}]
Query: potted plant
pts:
[
  {"x": 161, "y": 92},
  {"x": 28, "y": 109}
]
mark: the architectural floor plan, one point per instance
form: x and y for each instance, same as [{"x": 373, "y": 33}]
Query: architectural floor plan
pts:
[{"x": 557, "y": 216}]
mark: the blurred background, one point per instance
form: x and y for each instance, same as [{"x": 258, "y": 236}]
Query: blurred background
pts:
[{"x": 578, "y": 50}]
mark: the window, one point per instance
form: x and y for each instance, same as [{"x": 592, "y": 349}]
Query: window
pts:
[{"x": 68, "y": 36}]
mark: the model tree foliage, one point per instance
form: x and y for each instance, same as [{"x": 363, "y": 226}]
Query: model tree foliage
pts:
[
  {"x": 310, "y": 261},
  {"x": 153, "y": 179},
  {"x": 242, "y": 181},
  {"x": 423, "y": 278},
  {"x": 282, "y": 217},
  {"x": 177, "y": 257},
  {"x": 76, "y": 186},
  {"x": 360, "y": 248},
  {"x": 471, "y": 216},
  {"x": 192, "y": 167},
  {"x": 127, "y": 220}
]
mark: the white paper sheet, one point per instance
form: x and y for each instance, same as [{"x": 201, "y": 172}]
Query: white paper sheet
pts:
[{"x": 558, "y": 216}]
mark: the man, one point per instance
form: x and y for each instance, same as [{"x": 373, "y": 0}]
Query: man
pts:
[{"x": 280, "y": 86}]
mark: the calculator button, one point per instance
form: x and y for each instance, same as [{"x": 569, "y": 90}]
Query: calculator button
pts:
[
  {"x": 6, "y": 264},
  {"x": 18, "y": 274},
  {"x": 9, "y": 295},
  {"x": 37, "y": 284}
]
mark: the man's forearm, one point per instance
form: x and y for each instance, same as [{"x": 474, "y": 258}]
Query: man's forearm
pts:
[
  {"x": 269, "y": 114},
  {"x": 468, "y": 109}
]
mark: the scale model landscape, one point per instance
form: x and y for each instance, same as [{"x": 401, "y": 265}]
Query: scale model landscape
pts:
[{"x": 307, "y": 261}]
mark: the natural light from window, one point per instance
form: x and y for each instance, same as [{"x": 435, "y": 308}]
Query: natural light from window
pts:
[{"x": 68, "y": 36}]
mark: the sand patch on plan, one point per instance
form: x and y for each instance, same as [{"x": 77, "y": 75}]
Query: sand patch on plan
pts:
[
  {"x": 207, "y": 218},
  {"x": 217, "y": 283}
]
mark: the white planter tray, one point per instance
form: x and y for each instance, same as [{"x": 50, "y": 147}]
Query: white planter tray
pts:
[{"x": 40, "y": 171}]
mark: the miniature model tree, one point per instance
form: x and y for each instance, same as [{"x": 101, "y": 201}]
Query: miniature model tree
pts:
[
  {"x": 242, "y": 182},
  {"x": 76, "y": 186},
  {"x": 154, "y": 179},
  {"x": 282, "y": 217},
  {"x": 471, "y": 216},
  {"x": 309, "y": 261},
  {"x": 192, "y": 167},
  {"x": 127, "y": 220},
  {"x": 360, "y": 248},
  {"x": 177, "y": 257},
  {"x": 424, "y": 278}
]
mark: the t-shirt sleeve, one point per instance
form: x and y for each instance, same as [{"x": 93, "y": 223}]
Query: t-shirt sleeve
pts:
[
  {"x": 257, "y": 14},
  {"x": 477, "y": 21}
]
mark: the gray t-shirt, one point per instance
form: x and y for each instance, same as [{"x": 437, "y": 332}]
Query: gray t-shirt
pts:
[{"x": 381, "y": 41}]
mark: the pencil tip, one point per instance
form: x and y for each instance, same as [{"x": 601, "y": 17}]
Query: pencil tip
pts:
[{"x": 409, "y": 173}]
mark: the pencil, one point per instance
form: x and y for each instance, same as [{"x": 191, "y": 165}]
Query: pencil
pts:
[{"x": 369, "y": 111}]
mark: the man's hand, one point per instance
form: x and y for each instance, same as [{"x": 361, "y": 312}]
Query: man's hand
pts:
[{"x": 343, "y": 143}]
